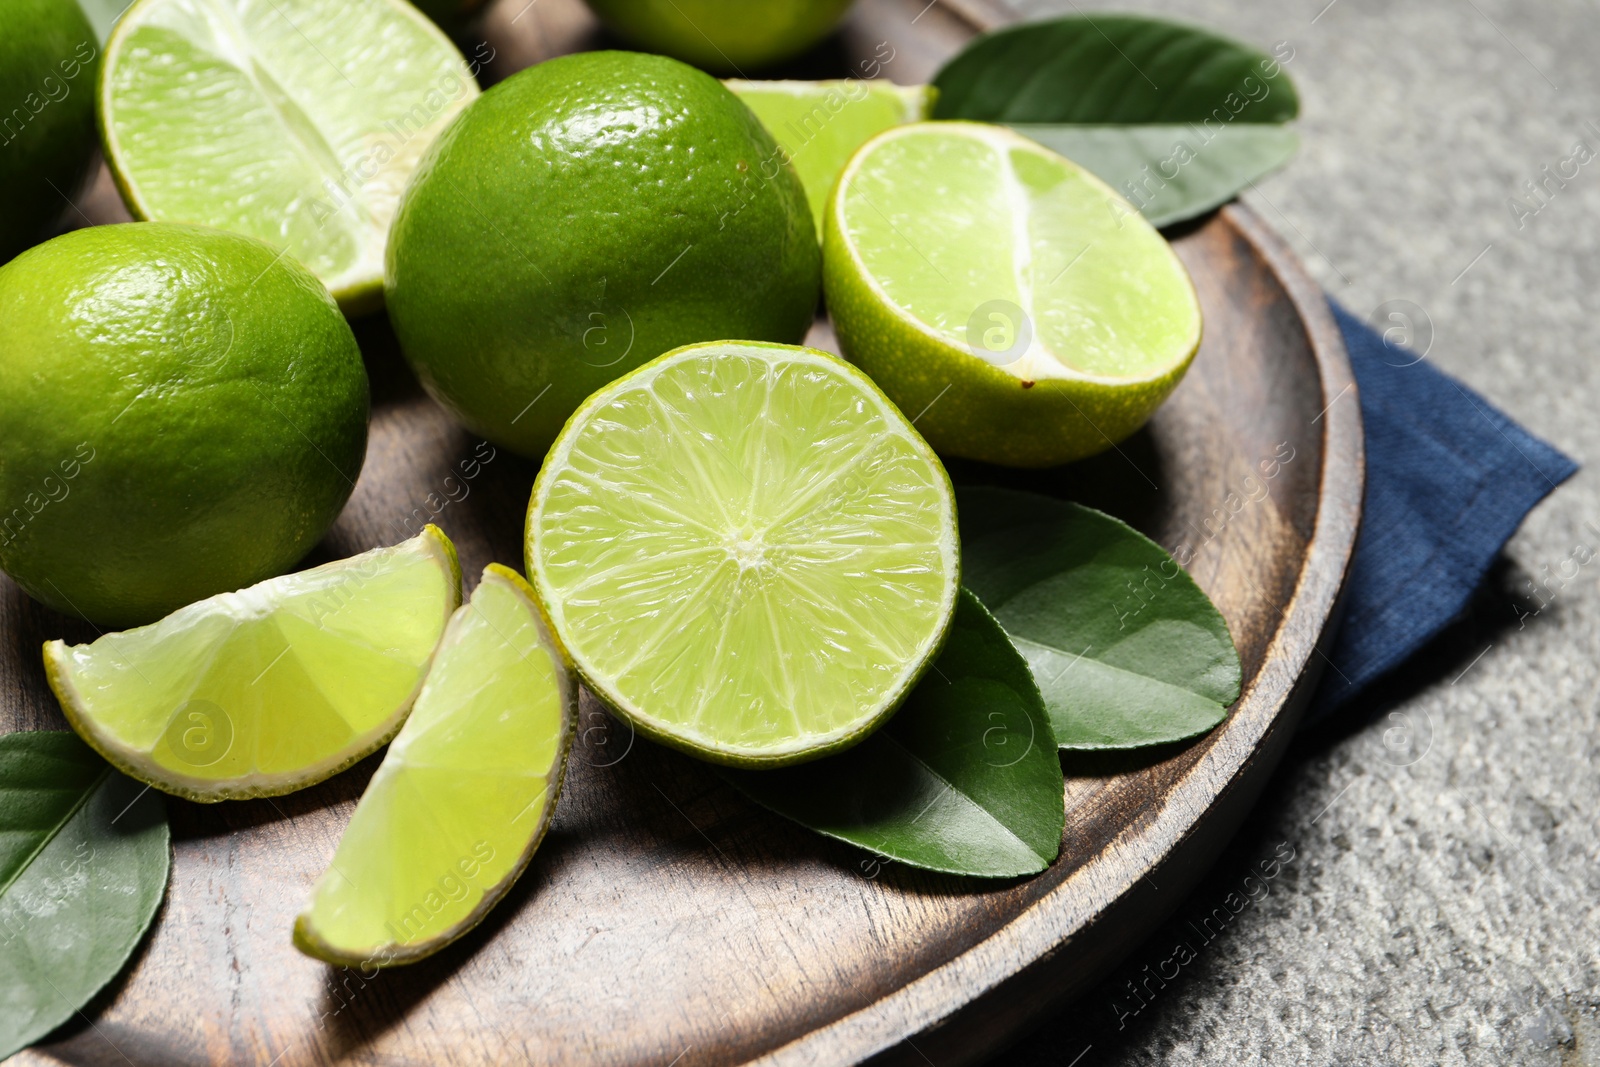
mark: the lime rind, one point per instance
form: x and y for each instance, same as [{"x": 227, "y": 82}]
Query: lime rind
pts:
[
  {"x": 863, "y": 715},
  {"x": 338, "y": 155},
  {"x": 337, "y": 924},
  {"x": 171, "y": 705}
]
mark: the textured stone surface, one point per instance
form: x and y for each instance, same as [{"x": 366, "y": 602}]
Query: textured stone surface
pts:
[{"x": 1443, "y": 902}]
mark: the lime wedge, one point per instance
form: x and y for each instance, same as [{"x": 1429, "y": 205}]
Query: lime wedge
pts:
[
  {"x": 464, "y": 794},
  {"x": 971, "y": 269},
  {"x": 748, "y": 552},
  {"x": 269, "y": 689},
  {"x": 294, "y": 121},
  {"x": 821, "y": 124}
]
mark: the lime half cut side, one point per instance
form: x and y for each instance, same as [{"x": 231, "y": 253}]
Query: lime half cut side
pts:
[
  {"x": 965, "y": 255},
  {"x": 819, "y": 125},
  {"x": 747, "y": 550},
  {"x": 464, "y": 794},
  {"x": 294, "y": 121},
  {"x": 269, "y": 689}
]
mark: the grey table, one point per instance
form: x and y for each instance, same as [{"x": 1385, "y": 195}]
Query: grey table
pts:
[{"x": 1442, "y": 902}]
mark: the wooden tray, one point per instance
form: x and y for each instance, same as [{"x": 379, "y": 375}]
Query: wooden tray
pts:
[{"x": 668, "y": 921}]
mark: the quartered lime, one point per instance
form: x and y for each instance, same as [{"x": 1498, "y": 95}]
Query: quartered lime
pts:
[
  {"x": 970, "y": 269},
  {"x": 295, "y": 121},
  {"x": 464, "y": 794},
  {"x": 748, "y": 552},
  {"x": 269, "y": 689},
  {"x": 821, "y": 124}
]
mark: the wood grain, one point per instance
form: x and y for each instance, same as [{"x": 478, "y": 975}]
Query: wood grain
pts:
[{"x": 666, "y": 920}]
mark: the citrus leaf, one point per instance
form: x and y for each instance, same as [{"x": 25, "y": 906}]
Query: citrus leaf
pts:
[
  {"x": 1177, "y": 119},
  {"x": 1126, "y": 649},
  {"x": 1117, "y": 69},
  {"x": 1206, "y": 168},
  {"x": 84, "y": 857},
  {"x": 964, "y": 779}
]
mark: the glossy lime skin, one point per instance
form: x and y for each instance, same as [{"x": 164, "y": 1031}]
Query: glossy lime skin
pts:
[
  {"x": 581, "y": 218},
  {"x": 183, "y": 412},
  {"x": 726, "y": 36},
  {"x": 49, "y": 58}
]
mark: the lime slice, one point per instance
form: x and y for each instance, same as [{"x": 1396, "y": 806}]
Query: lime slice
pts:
[
  {"x": 971, "y": 269},
  {"x": 464, "y": 794},
  {"x": 269, "y": 689},
  {"x": 294, "y": 121},
  {"x": 748, "y": 552},
  {"x": 821, "y": 124}
]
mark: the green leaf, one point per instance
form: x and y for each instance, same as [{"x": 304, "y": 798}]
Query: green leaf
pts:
[
  {"x": 84, "y": 857},
  {"x": 1206, "y": 169},
  {"x": 1117, "y": 69},
  {"x": 1126, "y": 649},
  {"x": 1177, "y": 119},
  {"x": 964, "y": 779}
]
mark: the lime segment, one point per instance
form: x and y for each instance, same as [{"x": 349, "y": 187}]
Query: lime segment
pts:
[
  {"x": 296, "y": 121},
  {"x": 819, "y": 125},
  {"x": 269, "y": 689},
  {"x": 464, "y": 794},
  {"x": 748, "y": 551}
]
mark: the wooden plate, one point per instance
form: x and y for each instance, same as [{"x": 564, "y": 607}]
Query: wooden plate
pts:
[{"x": 668, "y": 921}]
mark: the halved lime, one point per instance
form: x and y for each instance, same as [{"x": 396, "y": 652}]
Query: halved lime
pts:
[
  {"x": 748, "y": 552},
  {"x": 294, "y": 121},
  {"x": 464, "y": 794},
  {"x": 1028, "y": 310},
  {"x": 269, "y": 689},
  {"x": 821, "y": 124}
]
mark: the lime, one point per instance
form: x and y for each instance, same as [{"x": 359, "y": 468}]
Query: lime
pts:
[
  {"x": 821, "y": 124},
  {"x": 48, "y": 58},
  {"x": 464, "y": 794},
  {"x": 1023, "y": 307},
  {"x": 269, "y": 689},
  {"x": 723, "y": 35},
  {"x": 295, "y": 121},
  {"x": 584, "y": 216},
  {"x": 748, "y": 552},
  {"x": 182, "y": 411}
]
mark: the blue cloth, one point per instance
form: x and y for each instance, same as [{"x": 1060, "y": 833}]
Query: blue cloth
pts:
[{"x": 1449, "y": 480}]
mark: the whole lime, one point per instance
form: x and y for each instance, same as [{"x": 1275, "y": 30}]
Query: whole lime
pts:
[
  {"x": 581, "y": 218},
  {"x": 726, "y": 36},
  {"x": 451, "y": 15},
  {"x": 48, "y": 59},
  {"x": 183, "y": 412}
]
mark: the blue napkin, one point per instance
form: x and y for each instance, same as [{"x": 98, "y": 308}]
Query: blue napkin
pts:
[{"x": 1449, "y": 480}]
